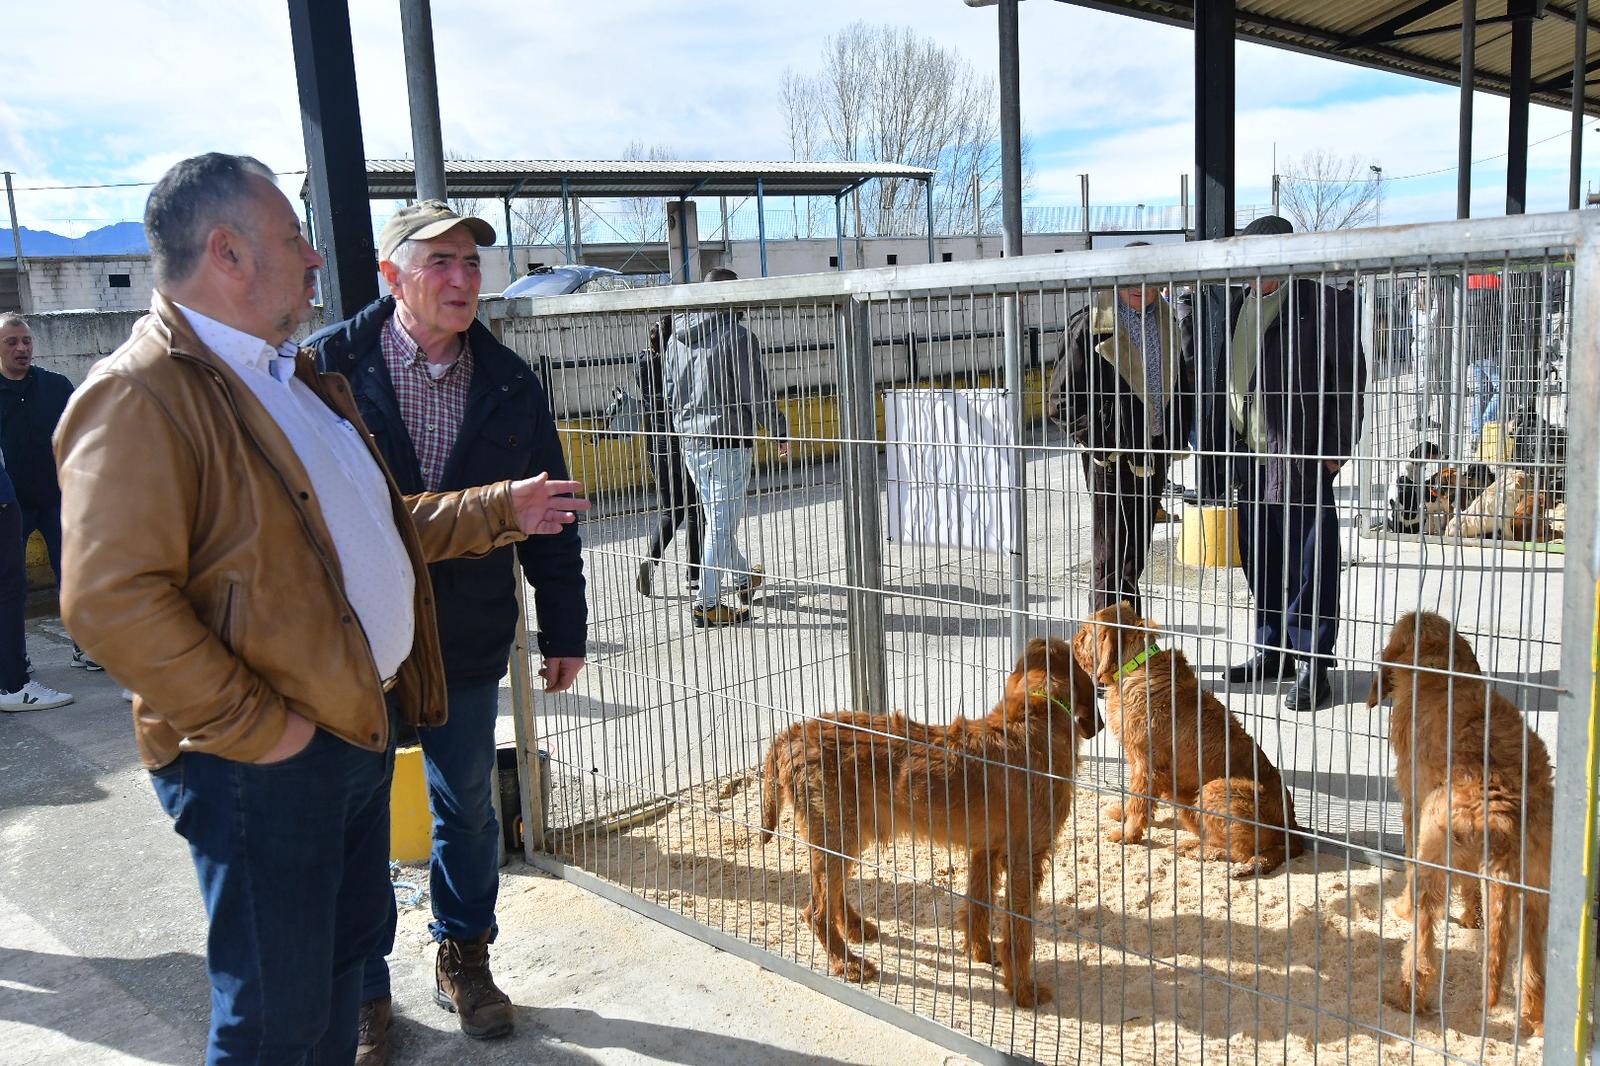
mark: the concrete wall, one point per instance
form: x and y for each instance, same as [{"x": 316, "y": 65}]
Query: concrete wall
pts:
[
  {"x": 72, "y": 283},
  {"x": 69, "y": 342}
]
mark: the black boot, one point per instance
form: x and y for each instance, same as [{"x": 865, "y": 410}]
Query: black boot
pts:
[
  {"x": 1311, "y": 691},
  {"x": 1263, "y": 666}
]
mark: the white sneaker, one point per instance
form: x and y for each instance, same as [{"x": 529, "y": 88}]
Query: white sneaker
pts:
[
  {"x": 32, "y": 697},
  {"x": 127, "y": 694}
]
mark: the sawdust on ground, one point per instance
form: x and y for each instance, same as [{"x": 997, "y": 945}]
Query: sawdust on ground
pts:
[{"x": 1153, "y": 956}]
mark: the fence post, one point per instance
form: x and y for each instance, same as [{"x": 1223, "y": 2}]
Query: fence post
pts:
[
  {"x": 863, "y": 537},
  {"x": 1015, "y": 378},
  {"x": 1569, "y": 972},
  {"x": 530, "y": 771}
]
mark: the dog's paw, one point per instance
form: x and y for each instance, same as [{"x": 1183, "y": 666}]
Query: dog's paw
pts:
[
  {"x": 1114, "y": 812},
  {"x": 1028, "y": 994},
  {"x": 981, "y": 950},
  {"x": 855, "y": 969},
  {"x": 1401, "y": 908},
  {"x": 1398, "y": 994},
  {"x": 860, "y": 931},
  {"x": 1472, "y": 913}
]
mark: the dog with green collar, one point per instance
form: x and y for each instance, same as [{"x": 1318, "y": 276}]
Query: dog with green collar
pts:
[{"x": 1184, "y": 747}]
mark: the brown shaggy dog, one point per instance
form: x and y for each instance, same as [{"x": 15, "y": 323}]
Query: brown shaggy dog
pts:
[
  {"x": 1183, "y": 745},
  {"x": 1467, "y": 805},
  {"x": 999, "y": 787}
]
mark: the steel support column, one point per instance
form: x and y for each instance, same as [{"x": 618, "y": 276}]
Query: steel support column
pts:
[
  {"x": 1580, "y": 82},
  {"x": 1469, "y": 72},
  {"x": 863, "y": 538},
  {"x": 1011, "y": 245},
  {"x": 1213, "y": 118},
  {"x": 927, "y": 195},
  {"x": 422, "y": 89},
  {"x": 838, "y": 227},
  {"x": 1517, "y": 132},
  {"x": 761, "y": 222},
  {"x": 566, "y": 220},
  {"x": 330, "y": 118}
]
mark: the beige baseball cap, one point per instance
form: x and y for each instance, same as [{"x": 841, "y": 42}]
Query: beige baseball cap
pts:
[{"x": 425, "y": 220}]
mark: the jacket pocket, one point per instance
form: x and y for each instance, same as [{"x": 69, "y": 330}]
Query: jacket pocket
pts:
[{"x": 228, "y": 619}]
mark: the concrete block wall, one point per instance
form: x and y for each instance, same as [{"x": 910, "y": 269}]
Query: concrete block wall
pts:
[
  {"x": 69, "y": 342},
  {"x": 73, "y": 283}
]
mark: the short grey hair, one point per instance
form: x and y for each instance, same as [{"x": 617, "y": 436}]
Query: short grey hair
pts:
[
  {"x": 11, "y": 318},
  {"x": 193, "y": 198},
  {"x": 405, "y": 254}
]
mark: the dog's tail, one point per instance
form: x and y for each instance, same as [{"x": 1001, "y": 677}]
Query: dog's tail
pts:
[{"x": 771, "y": 789}]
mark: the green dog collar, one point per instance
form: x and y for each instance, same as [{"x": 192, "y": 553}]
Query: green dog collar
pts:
[
  {"x": 1052, "y": 697},
  {"x": 1137, "y": 661}
]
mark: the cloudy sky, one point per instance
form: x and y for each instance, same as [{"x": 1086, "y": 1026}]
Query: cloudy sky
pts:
[{"x": 107, "y": 92}]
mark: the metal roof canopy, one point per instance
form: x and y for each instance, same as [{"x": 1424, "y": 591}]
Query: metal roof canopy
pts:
[
  {"x": 1421, "y": 38},
  {"x": 505, "y": 179}
]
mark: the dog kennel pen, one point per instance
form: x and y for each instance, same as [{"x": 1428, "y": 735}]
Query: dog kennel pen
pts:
[{"x": 929, "y": 519}]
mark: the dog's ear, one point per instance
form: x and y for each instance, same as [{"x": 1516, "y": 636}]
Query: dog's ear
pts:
[
  {"x": 1380, "y": 685},
  {"x": 1109, "y": 642}
]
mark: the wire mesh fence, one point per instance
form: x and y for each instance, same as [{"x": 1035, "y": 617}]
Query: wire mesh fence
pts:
[{"x": 1151, "y": 655}]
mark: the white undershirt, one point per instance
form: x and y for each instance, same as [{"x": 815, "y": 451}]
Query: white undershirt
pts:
[{"x": 350, "y": 488}]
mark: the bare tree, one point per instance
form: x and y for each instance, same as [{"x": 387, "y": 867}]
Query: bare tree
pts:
[
  {"x": 536, "y": 222},
  {"x": 1326, "y": 191},
  {"x": 463, "y": 205},
  {"x": 888, "y": 94},
  {"x": 798, "y": 98},
  {"x": 643, "y": 219}
]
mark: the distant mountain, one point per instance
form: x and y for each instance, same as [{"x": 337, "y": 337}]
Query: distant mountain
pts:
[{"x": 123, "y": 238}]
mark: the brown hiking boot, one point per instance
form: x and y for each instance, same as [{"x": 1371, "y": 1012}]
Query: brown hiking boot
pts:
[
  {"x": 720, "y": 615},
  {"x": 758, "y": 577},
  {"x": 372, "y": 1036},
  {"x": 463, "y": 986}
]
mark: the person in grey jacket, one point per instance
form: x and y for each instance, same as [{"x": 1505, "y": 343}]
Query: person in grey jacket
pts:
[{"x": 717, "y": 395}]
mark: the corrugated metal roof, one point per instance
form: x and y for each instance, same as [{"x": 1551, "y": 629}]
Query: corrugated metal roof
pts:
[
  {"x": 1417, "y": 37},
  {"x": 393, "y": 179}
]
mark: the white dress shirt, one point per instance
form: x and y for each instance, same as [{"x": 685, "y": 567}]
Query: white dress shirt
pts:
[{"x": 350, "y": 488}]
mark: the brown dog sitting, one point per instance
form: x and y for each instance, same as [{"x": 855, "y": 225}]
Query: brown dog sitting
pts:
[
  {"x": 999, "y": 787},
  {"x": 1467, "y": 804},
  {"x": 1183, "y": 745}
]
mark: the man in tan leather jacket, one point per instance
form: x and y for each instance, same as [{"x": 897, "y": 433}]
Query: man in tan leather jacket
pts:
[{"x": 238, "y": 556}]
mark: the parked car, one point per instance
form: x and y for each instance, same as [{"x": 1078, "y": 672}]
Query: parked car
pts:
[{"x": 557, "y": 280}]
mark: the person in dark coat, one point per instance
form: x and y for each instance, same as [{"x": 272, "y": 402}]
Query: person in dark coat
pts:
[
  {"x": 450, "y": 407},
  {"x": 1120, "y": 360},
  {"x": 1296, "y": 375},
  {"x": 31, "y": 401},
  {"x": 677, "y": 502}
]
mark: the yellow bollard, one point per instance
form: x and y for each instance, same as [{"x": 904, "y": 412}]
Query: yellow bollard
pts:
[
  {"x": 1209, "y": 537},
  {"x": 410, "y": 824},
  {"x": 1497, "y": 446}
]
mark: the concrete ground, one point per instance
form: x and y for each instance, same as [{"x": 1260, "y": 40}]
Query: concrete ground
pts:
[{"x": 102, "y": 936}]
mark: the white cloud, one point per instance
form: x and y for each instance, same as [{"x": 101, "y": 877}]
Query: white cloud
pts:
[{"x": 116, "y": 92}]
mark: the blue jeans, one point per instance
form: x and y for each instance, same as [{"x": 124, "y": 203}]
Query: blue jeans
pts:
[
  {"x": 47, "y": 520},
  {"x": 293, "y": 862},
  {"x": 1485, "y": 395},
  {"x": 721, "y": 475},
  {"x": 464, "y": 870}
]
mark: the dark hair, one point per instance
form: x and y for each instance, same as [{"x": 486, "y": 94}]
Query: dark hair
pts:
[
  {"x": 1268, "y": 225},
  {"x": 721, "y": 274},
  {"x": 193, "y": 198}
]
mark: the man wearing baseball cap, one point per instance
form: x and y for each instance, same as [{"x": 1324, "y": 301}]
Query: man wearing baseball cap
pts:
[{"x": 451, "y": 407}]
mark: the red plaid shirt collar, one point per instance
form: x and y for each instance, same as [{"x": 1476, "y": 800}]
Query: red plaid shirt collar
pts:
[{"x": 431, "y": 408}]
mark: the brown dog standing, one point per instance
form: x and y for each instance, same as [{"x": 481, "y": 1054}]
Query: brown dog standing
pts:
[
  {"x": 999, "y": 787},
  {"x": 1467, "y": 805},
  {"x": 1183, "y": 745}
]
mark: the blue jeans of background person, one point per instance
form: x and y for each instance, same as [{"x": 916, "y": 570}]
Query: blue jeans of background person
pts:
[
  {"x": 464, "y": 870},
  {"x": 13, "y": 600},
  {"x": 721, "y": 476},
  {"x": 293, "y": 862},
  {"x": 47, "y": 520},
  {"x": 1485, "y": 395},
  {"x": 1291, "y": 561}
]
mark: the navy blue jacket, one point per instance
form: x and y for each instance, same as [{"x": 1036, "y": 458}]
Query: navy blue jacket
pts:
[
  {"x": 507, "y": 432},
  {"x": 29, "y": 411}
]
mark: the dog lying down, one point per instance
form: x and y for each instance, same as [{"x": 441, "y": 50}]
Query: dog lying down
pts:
[
  {"x": 1183, "y": 746},
  {"x": 1467, "y": 805},
  {"x": 999, "y": 787}
]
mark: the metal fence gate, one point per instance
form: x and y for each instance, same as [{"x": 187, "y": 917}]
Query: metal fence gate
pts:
[{"x": 928, "y": 520}]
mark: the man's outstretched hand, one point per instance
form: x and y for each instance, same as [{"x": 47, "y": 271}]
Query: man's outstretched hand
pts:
[{"x": 544, "y": 506}]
